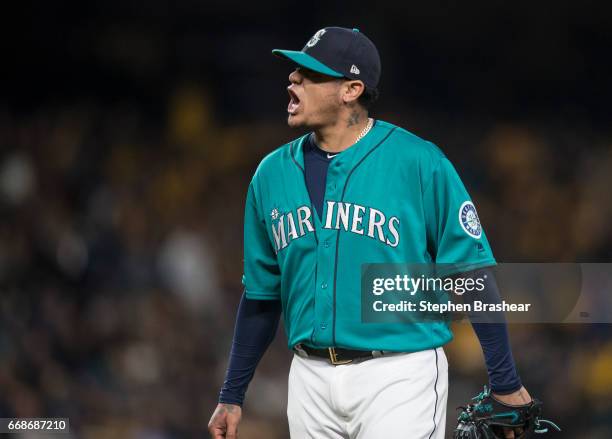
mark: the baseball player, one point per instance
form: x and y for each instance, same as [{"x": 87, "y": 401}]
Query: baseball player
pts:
[{"x": 351, "y": 191}]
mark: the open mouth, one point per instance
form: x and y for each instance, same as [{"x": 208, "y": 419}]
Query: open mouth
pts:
[{"x": 294, "y": 102}]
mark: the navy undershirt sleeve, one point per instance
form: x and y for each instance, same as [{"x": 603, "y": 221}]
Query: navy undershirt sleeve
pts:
[
  {"x": 256, "y": 325},
  {"x": 494, "y": 339}
]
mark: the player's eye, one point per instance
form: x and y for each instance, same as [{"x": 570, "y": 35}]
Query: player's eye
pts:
[{"x": 313, "y": 76}]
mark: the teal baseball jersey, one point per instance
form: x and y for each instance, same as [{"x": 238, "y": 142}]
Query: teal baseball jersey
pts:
[{"x": 392, "y": 197}]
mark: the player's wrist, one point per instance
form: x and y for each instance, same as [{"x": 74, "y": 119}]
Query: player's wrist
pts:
[
  {"x": 507, "y": 387},
  {"x": 519, "y": 397},
  {"x": 230, "y": 398}
]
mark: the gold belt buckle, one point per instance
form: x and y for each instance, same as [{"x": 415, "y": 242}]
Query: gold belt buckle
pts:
[{"x": 334, "y": 358}]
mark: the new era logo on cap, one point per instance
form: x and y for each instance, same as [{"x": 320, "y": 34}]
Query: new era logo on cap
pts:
[{"x": 337, "y": 51}]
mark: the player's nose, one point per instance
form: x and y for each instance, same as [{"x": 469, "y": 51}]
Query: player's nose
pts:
[{"x": 295, "y": 77}]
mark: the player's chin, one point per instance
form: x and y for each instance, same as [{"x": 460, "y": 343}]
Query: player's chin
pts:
[{"x": 295, "y": 120}]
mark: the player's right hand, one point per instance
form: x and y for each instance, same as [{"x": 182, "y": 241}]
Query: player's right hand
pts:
[{"x": 224, "y": 421}]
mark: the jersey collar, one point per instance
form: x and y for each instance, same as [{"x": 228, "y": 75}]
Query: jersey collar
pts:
[{"x": 349, "y": 157}]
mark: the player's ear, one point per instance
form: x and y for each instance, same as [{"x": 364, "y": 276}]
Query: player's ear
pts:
[{"x": 351, "y": 90}]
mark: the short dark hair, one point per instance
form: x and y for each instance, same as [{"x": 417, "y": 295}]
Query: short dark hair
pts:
[{"x": 368, "y": 97}]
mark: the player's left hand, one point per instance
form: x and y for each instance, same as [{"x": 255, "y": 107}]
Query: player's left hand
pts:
[{"x": 520, "y": 397}]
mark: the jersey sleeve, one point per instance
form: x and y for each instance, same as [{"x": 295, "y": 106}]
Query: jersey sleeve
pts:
[
  {"x": 454, "y": 233},
  {"x": 261, "y": 277}
]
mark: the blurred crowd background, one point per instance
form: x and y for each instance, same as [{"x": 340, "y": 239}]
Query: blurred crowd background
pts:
[{"x": 129, "y": 131}]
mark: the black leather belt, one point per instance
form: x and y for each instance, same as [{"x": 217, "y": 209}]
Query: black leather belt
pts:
[{"x": 337, "y": 356}]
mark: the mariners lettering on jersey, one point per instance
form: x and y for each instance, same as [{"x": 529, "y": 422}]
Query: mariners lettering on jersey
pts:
[
  {"x": 353, "y": 218},
  {"x": 286, "y": 227}
]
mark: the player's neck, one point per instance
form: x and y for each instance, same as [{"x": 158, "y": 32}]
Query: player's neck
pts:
[{"x": 343, "y": 134}]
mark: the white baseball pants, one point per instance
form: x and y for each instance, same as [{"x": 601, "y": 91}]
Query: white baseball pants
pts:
[{"x": 399, "y": 396}]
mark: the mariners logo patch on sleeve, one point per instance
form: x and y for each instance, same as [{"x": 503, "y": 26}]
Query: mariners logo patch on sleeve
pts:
[{"x": 468, "y": 218}]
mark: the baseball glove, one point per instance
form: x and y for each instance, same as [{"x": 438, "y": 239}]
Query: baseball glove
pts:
[{"x": 486, "y": 418}]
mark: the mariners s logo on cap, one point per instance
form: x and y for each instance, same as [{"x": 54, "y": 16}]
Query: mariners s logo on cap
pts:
[
  {"x": 468, "y": 218},
  {"x": 315, "y": 38}
]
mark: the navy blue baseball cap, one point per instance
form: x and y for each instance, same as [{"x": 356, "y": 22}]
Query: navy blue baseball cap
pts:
[{"x": 338, "y": 52}]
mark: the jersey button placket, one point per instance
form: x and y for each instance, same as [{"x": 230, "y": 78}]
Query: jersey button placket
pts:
[
  {"x": 323, "y": 302},
  {"x": 326, "y": 260}
]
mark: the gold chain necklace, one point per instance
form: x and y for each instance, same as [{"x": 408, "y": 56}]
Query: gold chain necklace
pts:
[{"x": 366, "y": 129}]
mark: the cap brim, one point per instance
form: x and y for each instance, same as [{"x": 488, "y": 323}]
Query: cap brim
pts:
[{"x": 305, "y": 60}]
